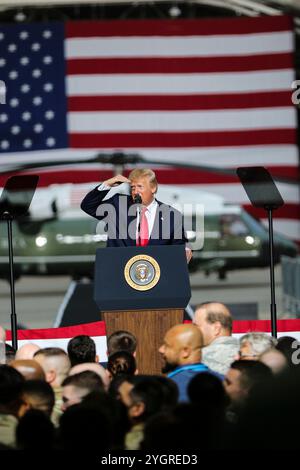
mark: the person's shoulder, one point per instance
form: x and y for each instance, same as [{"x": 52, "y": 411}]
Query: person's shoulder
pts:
[
  {"x": 167, "y": 207},
  {"x": 117, "y": 198},
  {"x": 122, "y": 196},
  {"x": 224, "y": 341}
]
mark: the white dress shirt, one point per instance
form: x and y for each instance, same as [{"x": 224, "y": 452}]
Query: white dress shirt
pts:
[{"x": 150, "y": 216}]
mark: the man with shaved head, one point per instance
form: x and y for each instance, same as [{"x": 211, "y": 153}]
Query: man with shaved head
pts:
[
  {"x": 220, "y": 349},
  {"x": 29, "y": 368},
  {"x": 181, "y": 351},
  {"x": 275, "y": 360},
  {"x": 56, "y": 365},
  {"x": 27, "y": 351},
  {"x": 94, "y": 367}
]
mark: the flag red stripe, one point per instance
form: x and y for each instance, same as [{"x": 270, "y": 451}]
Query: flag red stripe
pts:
[
  {"x": 244, "y": 326},
  {"x": 288, "y": 211},
  {"x": 194, "y": 176},
  {"x": 179, "y": 102},
  {"x": 282, "y": 171},
  {"x": 99, "y": 329},
  {"x": 180, "y": 140},
  {"x": 179, "y": 64},
  {"x": 171, "y": 27},
  {"x": 167, "y": 175},
  {"x": 90, "y": 329}
]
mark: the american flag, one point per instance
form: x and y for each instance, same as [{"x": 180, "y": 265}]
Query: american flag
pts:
[
  {"x": 210, "y": 92},
  {"x": 60, "y": 336}
]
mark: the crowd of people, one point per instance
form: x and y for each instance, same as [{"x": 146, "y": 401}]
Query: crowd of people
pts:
[{"x": 216, "y": 391}]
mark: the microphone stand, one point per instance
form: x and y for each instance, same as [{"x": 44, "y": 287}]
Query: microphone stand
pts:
[
  {"x": 138, "y": 201},
  {"x": 13, "y": 317},
  {"x": 263, "y": 193},
  {"x": 15, "y": 201}
]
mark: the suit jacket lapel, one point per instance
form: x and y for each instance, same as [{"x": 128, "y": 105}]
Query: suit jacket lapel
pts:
[
  {"x": 157, "y": 226},
  {"x": 127, "y": 219},
  {"x": 131, "y": 221}
]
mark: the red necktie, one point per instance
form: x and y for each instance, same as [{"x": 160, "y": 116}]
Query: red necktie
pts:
[{"x": 143, "y": 235}]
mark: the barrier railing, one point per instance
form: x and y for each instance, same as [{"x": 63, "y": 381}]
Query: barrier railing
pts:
[{"x": 291, "y": 284}]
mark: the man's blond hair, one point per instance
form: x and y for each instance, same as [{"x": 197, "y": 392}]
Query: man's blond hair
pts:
[{"x": 143, "y": 172}]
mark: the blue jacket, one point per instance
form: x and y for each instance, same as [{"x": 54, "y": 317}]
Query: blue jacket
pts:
[
  {"x": 121, "y": 225},
  {"x": 182, "y": 376}
]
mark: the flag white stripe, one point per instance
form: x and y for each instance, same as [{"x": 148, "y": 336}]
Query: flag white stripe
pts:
[
  {"x": 182, "y": 46},
  {"x": 287, "y": 227},
  {"x": 186, "y": 84},
  {"x": 234, "y": 193},
  {"x": 229, "y": 157},
  {"x": 166, "y": 121},
  {"x": 100, "y": 342},
  {"x": 294, "y": 334}
]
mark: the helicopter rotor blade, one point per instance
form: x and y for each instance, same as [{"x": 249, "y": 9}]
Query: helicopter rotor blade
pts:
[
  {"x": 115, "y": 158},
  {"x": 122, "y": 159}
]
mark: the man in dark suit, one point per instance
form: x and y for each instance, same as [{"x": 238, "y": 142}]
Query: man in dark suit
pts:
[{"x": 128, "y": 223}]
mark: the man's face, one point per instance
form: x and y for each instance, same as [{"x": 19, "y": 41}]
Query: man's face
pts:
[
  {"x": 124, "y": 392},
  {"x": 50, "y": 374},
  {"x": 143, "y": 187},
  {"x": 134, "y": 410},
  {"x": 232, "y": 385},
  {"x": 170, "y": 354},
  {"x": 206, "y": 328},
  {"x": 246, "y": 352},
  {"x": 72, "y": 395}
]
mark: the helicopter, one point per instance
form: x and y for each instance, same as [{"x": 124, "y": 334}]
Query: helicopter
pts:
[{"x": 57, "y": 238}]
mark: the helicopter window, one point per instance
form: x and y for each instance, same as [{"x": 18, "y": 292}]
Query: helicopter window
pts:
[
  {"x": 30, "y": 227},
  {"x": 211, "y": 223},
  {"x": 194, "y": 223},
  {"x": 232, "y": 224}
]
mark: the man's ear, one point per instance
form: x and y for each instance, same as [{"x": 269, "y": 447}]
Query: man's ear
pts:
[
  {"x": 106, "y": 372},
  {"x": 50, "y": 376},
  {"x": 217, "y": 328},
  {"x": 24, "y": 407},
  {"x": 97, "y": 358},
  {"x": 185, "y": 352},
  {"x": 137, "y": 409},
  {"x": 154, "y": 189}
]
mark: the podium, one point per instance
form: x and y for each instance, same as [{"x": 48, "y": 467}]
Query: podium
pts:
[
  {"x": 262, "y": 192},
  {"x": 143, "y": 290}
]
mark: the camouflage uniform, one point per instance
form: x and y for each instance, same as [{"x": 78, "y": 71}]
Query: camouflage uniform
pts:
[
  {"x": 220, "y": 354},
  {"x": 8, "y": 425}
]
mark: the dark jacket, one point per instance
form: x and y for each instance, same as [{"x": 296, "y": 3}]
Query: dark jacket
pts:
[
  {"x": 119, "y": 214},
  {"x": 182, "y": 376}
]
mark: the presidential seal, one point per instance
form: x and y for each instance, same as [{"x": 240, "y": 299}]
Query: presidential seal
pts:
[{"x": 142, "y": 272}]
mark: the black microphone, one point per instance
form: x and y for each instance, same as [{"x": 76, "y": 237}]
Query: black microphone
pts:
[{"x": 137, "y": 199}]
